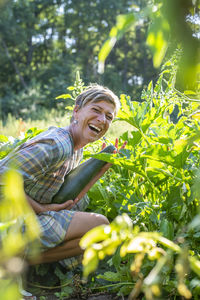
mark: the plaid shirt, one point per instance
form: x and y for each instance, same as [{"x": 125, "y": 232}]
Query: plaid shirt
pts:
[{"x": 43, "y": 162}]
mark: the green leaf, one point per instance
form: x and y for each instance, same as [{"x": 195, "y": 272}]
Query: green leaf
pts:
[
  {"x": 64, "y": 96},
  {"x": 126, "y": 289},
  {"x": 95, "y": 235},
  {"x": 175, "y": 157},
  {"x": 167, "y": 229},
  {"x": 124, "y": 22},
  {"x": 157, "y": 39},
  {"x": 90, "y": 261},
  {"x": 195, "y": 265},
  {"x": 187, "y": 92},
  {"x": 70, "y": 108},
  {"x": 110, "y": 276},
  {"x": 195, "y": 222},
  {"x": 122, "y": 162},
  {"x": 3, "y": 138},
  {"x": 169, "y": 244}
]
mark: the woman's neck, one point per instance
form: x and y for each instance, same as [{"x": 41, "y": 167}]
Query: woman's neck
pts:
[{"x": 78, "y": 144}]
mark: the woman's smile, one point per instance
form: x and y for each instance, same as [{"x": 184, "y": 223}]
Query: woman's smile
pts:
[
  {"x": 93, "y": 121},
  {"x": 94, "y": 129}
]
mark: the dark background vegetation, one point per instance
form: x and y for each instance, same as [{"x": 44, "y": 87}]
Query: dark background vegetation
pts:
[{"x": 44, "y": 43}]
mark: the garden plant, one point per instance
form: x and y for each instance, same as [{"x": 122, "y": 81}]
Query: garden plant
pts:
[
  {"x": 152, "y": 199},
  {"x": 151, "y": 194},
  {"x": 153, "y": 186}
]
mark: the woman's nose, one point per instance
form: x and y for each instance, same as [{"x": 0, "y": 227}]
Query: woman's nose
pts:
[{"x": 102, "y": 118}]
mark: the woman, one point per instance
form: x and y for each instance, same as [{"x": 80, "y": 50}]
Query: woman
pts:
[{"x": 47, "y": 158}]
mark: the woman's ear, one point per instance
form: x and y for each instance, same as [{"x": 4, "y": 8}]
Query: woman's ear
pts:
[{"x": 76, "y": 108}]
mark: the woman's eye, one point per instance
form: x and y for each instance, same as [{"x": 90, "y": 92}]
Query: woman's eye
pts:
[
  {"x": 96, "y": 110},
  {"x": 109, "y": 118}
]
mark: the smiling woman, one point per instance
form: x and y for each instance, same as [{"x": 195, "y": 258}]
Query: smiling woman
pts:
[
  {"x": 91, "y": 122},
  {"x": 44, "y": 161}
]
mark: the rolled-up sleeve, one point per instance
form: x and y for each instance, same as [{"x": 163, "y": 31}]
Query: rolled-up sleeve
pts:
[{"x": 33, "y": 160}]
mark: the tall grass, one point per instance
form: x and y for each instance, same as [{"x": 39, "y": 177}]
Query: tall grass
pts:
[{"x": 15, "y": 127}]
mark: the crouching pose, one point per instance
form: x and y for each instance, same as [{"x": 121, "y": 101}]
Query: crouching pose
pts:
[{"x": 43, "y": 162}]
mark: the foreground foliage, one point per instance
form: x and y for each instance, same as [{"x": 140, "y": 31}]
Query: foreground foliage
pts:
[
  {"x": 155, "y": 182},
  {"x": 146, "y": 247},
  {"x": 19, "y": 231},
  {"x": 152, "y": 195}
]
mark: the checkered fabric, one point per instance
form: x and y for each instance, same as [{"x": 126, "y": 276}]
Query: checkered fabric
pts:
[
  {"x": 43, "y": 162},
  {"x": 54, "y": 227}
]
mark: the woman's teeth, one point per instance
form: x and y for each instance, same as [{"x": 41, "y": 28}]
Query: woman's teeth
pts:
[{"x": 94, "y": 128}]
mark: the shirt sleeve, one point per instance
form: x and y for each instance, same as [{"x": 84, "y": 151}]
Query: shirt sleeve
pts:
[{"x": 35, "y": 159}]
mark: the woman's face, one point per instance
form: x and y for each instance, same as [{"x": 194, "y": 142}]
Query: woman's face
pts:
[{"x": 94, "y": 120}]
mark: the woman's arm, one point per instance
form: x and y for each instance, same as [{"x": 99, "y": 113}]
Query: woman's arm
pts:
[{"x": 40, "y": 208}]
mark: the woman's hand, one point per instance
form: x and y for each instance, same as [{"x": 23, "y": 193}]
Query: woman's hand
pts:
[
  {"x": 40, "y": 208},
  {"x": 56, "y": 207},
  {"x": 116, "y": 146}
]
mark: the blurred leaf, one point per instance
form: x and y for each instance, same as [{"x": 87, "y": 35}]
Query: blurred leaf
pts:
[
  {"x": 157, "y": 39},
  {"x": 70, "y": 108},
  {"x": 71, "y": 88},
  {"x": 90, "y": 261},
  {"x": 9, "y": 290},
  {"x": 64, "y": 96},
  {"x": 184, "y": 291},
  {"x": 3, "y": 138},
  {"x": 123, "y": 23},
  {"x": 195, "y": 222},
  {"x": 167, "y": 229},
  {"x": 16, "y": 216},
  {"x": 169, "y": 244},
  {"x": 195, "y": 265},
  {"x": 110, "y": 276},
  {"x": 93, "y": 236}
]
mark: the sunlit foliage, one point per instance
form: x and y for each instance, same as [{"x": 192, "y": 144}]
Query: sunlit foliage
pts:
[{"x": 19, "y": 231}]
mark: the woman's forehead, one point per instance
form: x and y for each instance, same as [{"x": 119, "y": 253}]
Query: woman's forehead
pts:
[{"x": 103, "y": 104}]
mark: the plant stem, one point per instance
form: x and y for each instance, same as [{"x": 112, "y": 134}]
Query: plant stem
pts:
[
  {"x": 111, "y": 285},
  {"x": 49, "y": 287}
]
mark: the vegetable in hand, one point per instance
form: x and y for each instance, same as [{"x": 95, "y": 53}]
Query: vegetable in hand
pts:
[{"x": 78, "y": 178}]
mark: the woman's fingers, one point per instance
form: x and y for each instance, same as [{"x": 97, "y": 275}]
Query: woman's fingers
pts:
[
  {"x": 66, "y": 205},
  {"x": 124, "y": 145},
  {"x": 116, "y": 143},
  {"x": 103, "y": 146},
  {"x": 76, "y": 200},
  {"x": 56, "y": 207}
]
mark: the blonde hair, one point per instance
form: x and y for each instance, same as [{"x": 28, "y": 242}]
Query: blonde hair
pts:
[{"x": 96, "y": 93}]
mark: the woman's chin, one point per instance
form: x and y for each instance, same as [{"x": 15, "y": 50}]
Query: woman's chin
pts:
[{"x": 92, "y": 137}]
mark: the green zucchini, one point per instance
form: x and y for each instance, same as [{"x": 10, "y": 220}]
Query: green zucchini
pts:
[{"x": 78, "y": 178}]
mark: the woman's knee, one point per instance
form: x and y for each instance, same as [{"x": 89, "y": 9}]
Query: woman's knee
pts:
[
  {"x": 98, "y": 219},
  {"x": 82, "y": 222}
]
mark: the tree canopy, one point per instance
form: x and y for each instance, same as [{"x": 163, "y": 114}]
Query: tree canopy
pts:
[{"x": 44, "y": 43}]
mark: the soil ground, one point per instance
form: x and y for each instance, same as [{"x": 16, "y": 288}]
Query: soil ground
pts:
[
  {"x": 37, "y": 279},
  {"x": 92, "y": 297}
]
